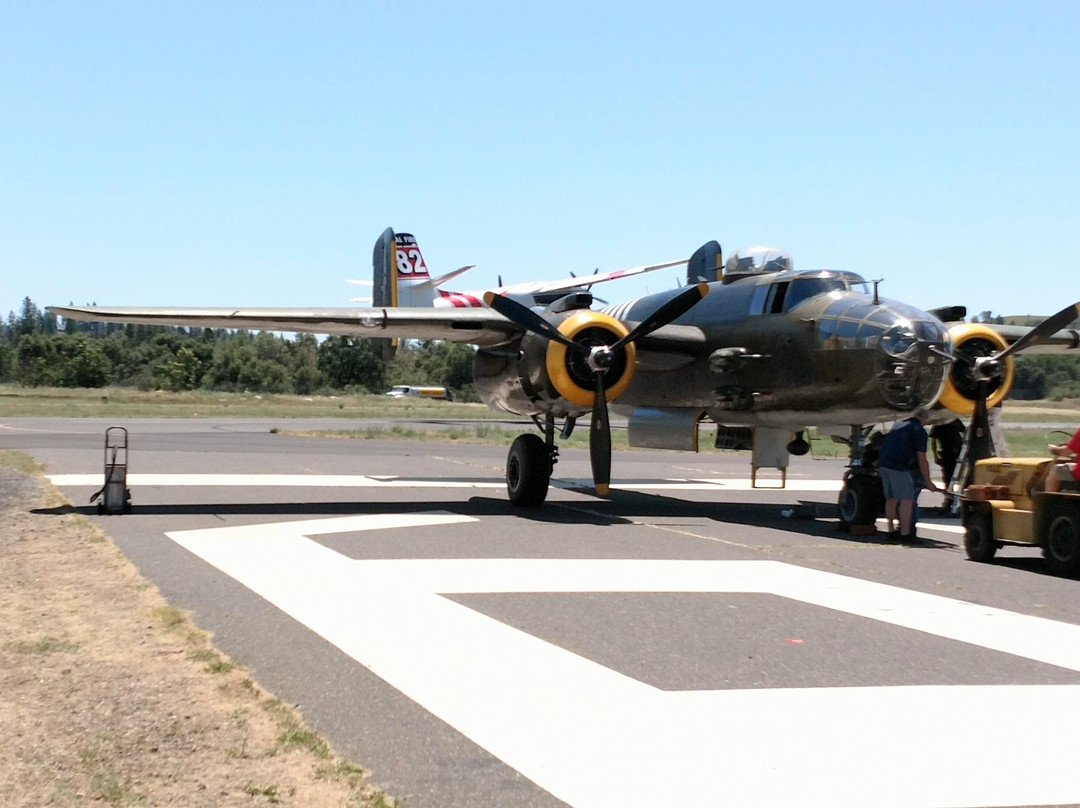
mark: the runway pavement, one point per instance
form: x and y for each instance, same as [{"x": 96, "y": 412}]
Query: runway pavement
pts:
[{"x": 683, "y": 642}]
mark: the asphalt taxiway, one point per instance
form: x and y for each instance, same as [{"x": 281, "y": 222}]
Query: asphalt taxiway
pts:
[{"x": 688, "y": 640}]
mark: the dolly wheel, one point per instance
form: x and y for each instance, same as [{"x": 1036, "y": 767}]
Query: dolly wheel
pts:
[{"x": 979, "y": 537}]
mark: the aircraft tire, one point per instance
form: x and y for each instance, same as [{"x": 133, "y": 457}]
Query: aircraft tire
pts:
[
  {"x": 528, "y": 471},
  {"x": 860, "y": 500},
  {"x": 979, "y": 541},
  {"x": 1062, "y": 548}
]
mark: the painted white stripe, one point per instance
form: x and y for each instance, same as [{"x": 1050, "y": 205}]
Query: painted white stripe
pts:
[
  {"x": 380, "y": 481},
  {"x": 343, "y": 524},
  {"x": 272, "y": 480},
  {"x": 596, "y": 738}
]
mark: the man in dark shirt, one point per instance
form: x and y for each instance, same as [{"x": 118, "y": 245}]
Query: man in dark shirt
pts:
[{"x": 904, "y": 449}]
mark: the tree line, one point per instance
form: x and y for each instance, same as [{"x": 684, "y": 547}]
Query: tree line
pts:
[{"x": 37, "y": 349}]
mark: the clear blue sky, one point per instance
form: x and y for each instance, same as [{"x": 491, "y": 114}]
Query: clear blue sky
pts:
[{"x": 249, "y": 153}]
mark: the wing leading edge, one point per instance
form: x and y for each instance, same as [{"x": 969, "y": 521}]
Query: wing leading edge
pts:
[{"x": 482, "y": 327}]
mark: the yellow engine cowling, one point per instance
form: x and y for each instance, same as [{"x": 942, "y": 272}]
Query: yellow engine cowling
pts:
[
  {"x": 568, "y": 371},
  {"x": 975, "y": 340}
]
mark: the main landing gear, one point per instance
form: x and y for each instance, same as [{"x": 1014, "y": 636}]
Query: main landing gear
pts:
[{"x": 530, "y": 462}]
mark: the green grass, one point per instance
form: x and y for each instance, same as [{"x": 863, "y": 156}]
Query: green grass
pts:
[
  {"x": 116, "y": 402},
  {"x": 125, "y": 402},
  {"x": 213, "y": 660},
  {"x": 46, "y": 645},
  {"x": 19, "y": 462},
  {"x": 1032, "y": 442}
]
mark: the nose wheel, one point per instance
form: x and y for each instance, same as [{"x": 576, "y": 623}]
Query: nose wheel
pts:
[{"x": 860, "y": 499}]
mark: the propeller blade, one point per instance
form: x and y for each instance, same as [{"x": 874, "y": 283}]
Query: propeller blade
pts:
[
  {"x": 674, "y": 308},
  {"x": 600, "y": 441},
  {"x": 527, "y": 319},
  {"x": 1043, "y": 330}
]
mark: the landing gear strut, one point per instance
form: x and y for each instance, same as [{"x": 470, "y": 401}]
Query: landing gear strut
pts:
[{"x": 529, "y": 465}]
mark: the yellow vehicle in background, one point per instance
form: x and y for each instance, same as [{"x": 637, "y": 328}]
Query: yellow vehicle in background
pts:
[
  {"x": 418, "y": 391},
  {"x": 1007, "y": 504}
]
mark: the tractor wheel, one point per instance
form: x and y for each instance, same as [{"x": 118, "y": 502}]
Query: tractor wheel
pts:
[
  {"x": 528, "y": 471},
  {"x": 1062, "y": 540},
  {"x": 979, "y": 541},
  {"x": 860, "y": 500}
]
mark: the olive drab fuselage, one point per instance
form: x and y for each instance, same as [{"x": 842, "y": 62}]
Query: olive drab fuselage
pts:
[{"x": 783, "y": 349}]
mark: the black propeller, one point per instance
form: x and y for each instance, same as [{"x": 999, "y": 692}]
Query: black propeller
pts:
[
  {"x": 599, "y": 359},
  {"x": 1043, "y": 330},
  {"x": 527, "y": 319},
  {"x": 990, "y": 366},
  {"x": 600, "y": 440},
  {"x": 983, "y": 370}
]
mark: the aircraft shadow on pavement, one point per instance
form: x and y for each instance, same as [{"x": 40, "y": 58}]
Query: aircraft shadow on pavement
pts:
[
  {"x": 620, "y": 508},
  {"x": 476, "y": 507}
]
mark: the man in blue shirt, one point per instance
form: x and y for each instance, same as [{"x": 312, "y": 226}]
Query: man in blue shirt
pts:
[{"x": 903, "y": 451}]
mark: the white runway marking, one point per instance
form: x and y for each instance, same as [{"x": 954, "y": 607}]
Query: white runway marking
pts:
[
  {"x": 389, "y": 481},
  {"x": 594, "y": 737},
  {"x": 273, "y": 480}
]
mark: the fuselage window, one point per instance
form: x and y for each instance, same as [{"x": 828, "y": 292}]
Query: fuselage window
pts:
[
  {"x": 827, "y": 333},
  {"x": 868, "y": 335},
  {"x": 840, "y": 307},
  {"x": 757, "y": 299},
  {"x": 928, "y": 331},
  {"x": 774, "y": 304},
  {"x": 883, "y": 316},
  {"x": 845, "y": 333}
]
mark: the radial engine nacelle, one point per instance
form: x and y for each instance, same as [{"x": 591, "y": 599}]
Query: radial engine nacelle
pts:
[
  {"x": 544, "y": 376},
  {"x": 975, "y": 346}
]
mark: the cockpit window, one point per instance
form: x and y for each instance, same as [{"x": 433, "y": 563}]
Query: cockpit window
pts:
[
  {"x": 860, "y": 286},
  {"x": 805, "y": 288}
]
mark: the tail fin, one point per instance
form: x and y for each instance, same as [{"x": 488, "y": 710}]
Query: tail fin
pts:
[
  {"x": 399, "y": 278},
  {"x": 384, "y": 270},
  {"x": 400, "y": 273},
  {"x": 706, "y": 264}
]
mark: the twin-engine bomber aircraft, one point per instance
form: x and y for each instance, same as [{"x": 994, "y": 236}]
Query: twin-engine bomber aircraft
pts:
[{"x": 760, "y": 348}]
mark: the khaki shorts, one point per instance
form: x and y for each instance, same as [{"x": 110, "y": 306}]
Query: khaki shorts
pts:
[{"x": 897, "y": 484}]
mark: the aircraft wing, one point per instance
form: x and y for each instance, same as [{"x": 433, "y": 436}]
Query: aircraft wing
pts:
[
  {"x": 569, "y": 284},
  {"x": 1067, "y": 339},
  {"x": 483, "y": 327}
]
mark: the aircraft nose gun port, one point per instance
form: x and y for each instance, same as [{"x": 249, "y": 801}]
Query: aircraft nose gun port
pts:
[
  {"x": 912, "y": 362},
  {"x": 114, "y": 495}
]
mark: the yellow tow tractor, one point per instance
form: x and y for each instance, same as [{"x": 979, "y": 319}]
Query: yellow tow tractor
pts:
[{"x": 1006, "y": 503}]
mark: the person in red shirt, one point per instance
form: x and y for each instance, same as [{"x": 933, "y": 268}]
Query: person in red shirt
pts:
[{"x": 1065, "y": 472}]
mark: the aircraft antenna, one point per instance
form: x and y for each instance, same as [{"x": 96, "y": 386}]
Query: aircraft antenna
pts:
[{"x": 877, "y": 300}]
